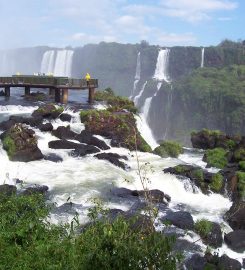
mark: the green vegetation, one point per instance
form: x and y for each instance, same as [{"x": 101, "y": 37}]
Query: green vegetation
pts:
[
  {"x": 239, "y": 154},
  {"x": 217, "y": 182},
  {"x": 241, "y": 184},
  {"x": 9, "y": 146},
  {"x": 168, "y": 149},
  {"x": 210, "y": 97},
  {"x": 242, "y": 165},
  {"x": 203, "y": 227},
  {"x": 198, "y": 174},
  {"x": 29, "y": 241},
  {"x": 120, "y": 126},
  {"x": 216, "y": 157}
]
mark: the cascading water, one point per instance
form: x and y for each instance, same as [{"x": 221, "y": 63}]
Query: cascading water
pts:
[
  {"x": 48, "y": 61},
  {"x": 136, "y": 98},
  {"x": 137, "y": 75},
  {"x": 202, "y": 58},
  {"x": 59, "y": 63}
]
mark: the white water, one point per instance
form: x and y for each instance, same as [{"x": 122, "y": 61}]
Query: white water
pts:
[
  {"x": 137, "y": 74},
  {"x": 161, "y": 71},
  {"x": 136, "y": 98},
  {"x": 58, "y": 63},
  {"x": 48, "y": 62},
  {"x": 87, "y": 177},
  {"x": 202, "y": 58}
]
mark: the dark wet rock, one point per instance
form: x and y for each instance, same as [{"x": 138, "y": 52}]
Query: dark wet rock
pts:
[
  {"x": 36, "y": 96},
  {"x": 18, "y": 181},
  {"x": 36, "y": 189},
  {"x": 21, "y": 144},
  {"x": 47, "y": 111},
  {"x": 236, "y": 240},
  {"x": 65, "y": 117},
  {"x": 68, "y": 208},
  {"x": 196, "y": 262},
  {"x": 112, "y": 158},
  {"x": 181, "y": 219},
  {"x": 64, "y": 133},
  {"x": 236, "y": 215},
  {"x": 63, "y": 144},
  {"x": 83, "y": 150},
  {"x": 4, "y": 125},
  {"x": 53, "y": 157},
  {"x": 122, "y": 192},
  {"x": 7, "y": 190},
  {"x": 228, "y": 263},
  {"x": 137, "y": 207},
  {"x": 114, "y": 213},
  {"x": 32, "y": 121},
  {"x": 87, "y": 137},
  {"x": 154, "y": 195},
  {"x": 214, "y": 237},
  {"x": 46, "y": 127},
  {"x": 2, "y": 93}
]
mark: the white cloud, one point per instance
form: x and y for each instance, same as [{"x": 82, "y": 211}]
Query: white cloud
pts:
[{"x": 176, "y": 39}]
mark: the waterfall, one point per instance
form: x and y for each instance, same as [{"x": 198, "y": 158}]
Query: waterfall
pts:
[
  {"x": 136, "y": 99},
  {"x": 59, "y": 63},
  {"x": 47, "y": 65},
  {"x": 161, "y": 71},
  {"x": 169, "y": 104},
  {"x": 137, "y": 74},
  {"x": 202, "y": 59}
]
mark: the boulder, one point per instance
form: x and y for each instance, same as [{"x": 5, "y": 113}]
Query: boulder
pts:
[
  {"x": 32, "y": 121},
  {"x": 112, "y": 158},
  {"x": 180, "y": 219},
  {"x": 83, "y": 150},
  {"x": 36, "y": 189},
  {"x": 236, "y": 215},
  {"x": 196, "y": 262},
  {"x": 65, "y": 117},
  {"x": 154, "y": 195},
  {"x": 4, "y": 125},
  {"x": 64, "y": 133},
  {"x": 21, "y": 144},
  {"x": 63, "y": 144},
  {"x": 214, "y": 237},
  {"x": 228, "y": 263},
  {"x": 46, "y": 127},
  {"x": 236, "y": 240},
  {"x": 7, "y": 190},
  {"x": 47, "y": 111},
  {"x": 88, "y": 138},
  {"x": 53, "y": 157}
]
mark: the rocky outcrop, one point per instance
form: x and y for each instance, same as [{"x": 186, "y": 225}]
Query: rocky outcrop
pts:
[
  {"x": 236, "y": 215},
  {"x": 21, "y": 144},
  {"x": 47, "y": 111},
  {"x": 65, "y": 117},
  {"x": 236, "y": 240},
  {"x": 46, "y": 127},
  {"x": 36, "y": 189},
  {"x": 114, "y": 159},
  {"x": 180, "y": 219},
  {"x": 153, "y": 195}
]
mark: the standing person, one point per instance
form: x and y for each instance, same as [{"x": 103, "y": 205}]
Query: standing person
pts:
[{"x": 87, "y": 77}]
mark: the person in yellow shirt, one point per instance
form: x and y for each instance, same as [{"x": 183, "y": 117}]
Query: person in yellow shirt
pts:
[{"x": 87, "y": 78}]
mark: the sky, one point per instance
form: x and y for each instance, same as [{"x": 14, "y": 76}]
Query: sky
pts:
[{"x": 62, "y": 23}]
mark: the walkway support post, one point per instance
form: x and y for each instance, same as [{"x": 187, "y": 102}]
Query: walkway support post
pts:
[
  {"x": 27, "y": 90},
  {"x": 64, "y": 96},
  {"x": 7, "y": 91},
  {"x": 91, "y": 95},
  {"x": 57, "y": 95}
]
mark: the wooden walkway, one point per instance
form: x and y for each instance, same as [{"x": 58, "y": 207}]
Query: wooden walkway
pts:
[{"x": 59, "y": 86}]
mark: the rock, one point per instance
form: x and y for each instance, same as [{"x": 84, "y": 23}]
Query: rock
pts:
[
  {"x": 2, "y": 93},
  {"x": 87, "y": 137},
  {"x": 64, "y": 133},
  {"x": 47, "y": 111},
  {"x": 46, "y": 127},
  {"x": 7, "y": 190},
  {"x": 227, "y": 263},
  {"x": 36, "y": 189},
  {"x": 236, "y": 240},
  {"x": 122, "y": 192},
  {"x": 236, "y": 215},
  {"x": 214, "y": 237},
  {"x": 53, "y": 157},
  {"x": 84, "y": 150},
  {"x": 21, "y": 144},
  {"x": 32, "y": 121},
  {"x": 63, "y": 144},
  {"x": 36, "y": 96},
  {"x": 196, "y": 262},
  {"x": 112, "y": 158},
  {"x": 155, "y": 195},
  {"x": 65, "y": 117},
  {"x": 6, "y": 124},
  {"x": 69, "y": 208},
  {"x": 180, "y": 219}
]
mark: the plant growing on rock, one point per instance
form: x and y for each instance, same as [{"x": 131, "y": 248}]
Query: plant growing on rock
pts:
[
  {"x": 169, "y": 149},
  {"x": 217, "y": 182},
  {"x": 216, "y": 157},
  {"x": 241, "y": 184},
  {"x": 203, "y": 227}
]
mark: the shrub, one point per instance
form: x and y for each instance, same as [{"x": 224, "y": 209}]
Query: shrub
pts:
[
  {"x": 203, "y": 227},
  {"x": 239, "y": 154},
  {"x": 28, "y": 241},
  {"x": 169, "y": 149},
  {"x": 216, "y": 157},
  {"x": 217, "y": 182},
  {"x": 9, "y": 145},
  {"x": 242, "y": 165},
  {"x": 198, "y": 174},
  {"x": 241, "y": 184}
]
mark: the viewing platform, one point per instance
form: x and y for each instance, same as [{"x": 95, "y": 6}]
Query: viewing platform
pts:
[{"x": 59, "y": 86}]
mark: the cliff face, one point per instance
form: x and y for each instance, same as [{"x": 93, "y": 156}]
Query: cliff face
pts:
[{"x": 176, "y": 108}]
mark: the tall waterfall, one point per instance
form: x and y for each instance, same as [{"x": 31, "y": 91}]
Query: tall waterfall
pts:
[
  {"x": 136, "y": 99},
  {"x": 137, "y": 74},
  {"x": 161, "y": 71},
  {"x": 48, "y": 61},
  {"x": 202, "y": 59},
  {"x": 59, "y": 63}
]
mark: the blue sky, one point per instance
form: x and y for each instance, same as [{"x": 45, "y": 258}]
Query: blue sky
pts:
[{"x": 61, "y": 23}]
